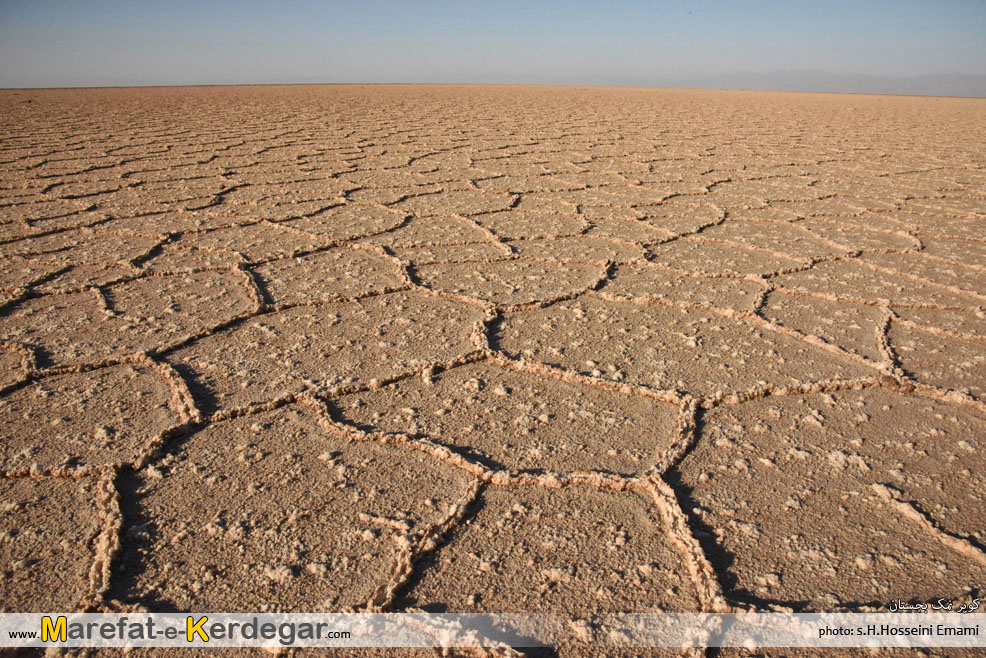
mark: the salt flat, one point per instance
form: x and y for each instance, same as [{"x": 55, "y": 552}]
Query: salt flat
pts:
[{"x": 508, "y": 349}]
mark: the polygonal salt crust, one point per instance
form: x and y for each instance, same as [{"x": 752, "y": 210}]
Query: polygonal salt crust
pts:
[
  {"x": 761, "y": 214},
  {"x": 285, "y": 175},
  {"x": 699, "y": 255},
  {"x": 696, "y": 351},
  {"x": 279, "y": 353},
  {"x": 393, "y": 194},
  {"x": 941, "y": 226},
  {"x": 968, "y": 322},
  {"x": 695, "y": 182},
  {"x": 74, "y": 278},
  {"x": 527, "y": 184},
  {"x": 270, "y": 192},
  {"x": 42, "y": 209},
  {"x": 154, "y": 311},
  {"x": 765, "y": 191},
  {"x": 181, "y": 303},
  {"x": 856, "y": 186},
  {"x": 410, "y": 161},
  {"x": 634, "y": 281},
  {"x": 712, "y": 160},
  {"x": 630, "y": 194},
  {"x": 151, "y": 170},
  {"x": 818, "y": 208},
  {"x": 616, "y": 196},
  {"x": 680, "y": 217},
  {"x": 67, "y": 329},
  {"x": 891, "y": 175},
  {"x": 857, "y": 237},
  {"x": 77, "y": 220},
  {"x": 137, "y": 201},
  {"x": 104, "y": 416},
  {"x": 177, "y": 258},
  {"x": 853, "y": 327},
  {"x": 165, "y": 223},
  {"x": 632, "y": 230},
  {"x": 496, "y": 168},
  {"x": 962, "y": 251},
  {"x": 255, "y": 242},
  {"x": 876, "y": 221},
  {"x": 188, "y": 188},
  {"x": 275, "y": 211},
  {"x": 86, "y": 177},
  {"x": 948, "y": 274},
  {"x": 631, "y": 163},
  {"x": 437, "y": 229},
  {"x": 487, "y": 249},
  {"x": 521, "y": 420},
  {"x": 849, "y": 278},
  {"x": 782, "y": 237},
  {"x": 546, "y": 203},
  {"x": 48, "y": 532},
  {"x": 941, "y": 360},
  {"x": 232, "y": 158},
  {"x": 577, "y": 551},
  {"x": 512, "y": 281},
  {"x": 820, "y": 536},
  {"x": 555, "y": 161},
  {"x": 80, "y": 247},
  {"x": 571, "y": 200},
  {"x": 453, "y": 177},
  {"x": 968, "y": 208},
  {"x": 372, "y": 178},
  {"x": 271, "y": 513},
  {"x": 594, "y": 180},
  {"x": 518, "y": 224},
  {"x": 468, "y": 202},
  {"x": 327, "y": 275},
  {"x": 578, "y": 248},
  {"x": 17, "y": 189},
  {"x": 17, "y": 273},
  {"x": 348, "y": 222}
]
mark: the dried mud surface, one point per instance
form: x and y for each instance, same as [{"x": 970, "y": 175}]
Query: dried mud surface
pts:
[{"x": 490, "y": 349}]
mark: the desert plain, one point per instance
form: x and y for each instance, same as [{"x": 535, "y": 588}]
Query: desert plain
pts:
[{"x": 490, "y": 349}]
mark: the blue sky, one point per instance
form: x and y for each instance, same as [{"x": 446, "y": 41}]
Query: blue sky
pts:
[{"x": 107, "y": 42}]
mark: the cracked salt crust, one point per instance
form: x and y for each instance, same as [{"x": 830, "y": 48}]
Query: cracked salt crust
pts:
[{"x": 454, "y": 352}]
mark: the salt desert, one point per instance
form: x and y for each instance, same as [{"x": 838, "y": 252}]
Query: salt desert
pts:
[{"x": 506, "y": 349}]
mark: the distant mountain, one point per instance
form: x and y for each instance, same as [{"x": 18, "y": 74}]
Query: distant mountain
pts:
[{"x": 946, "y": 84}]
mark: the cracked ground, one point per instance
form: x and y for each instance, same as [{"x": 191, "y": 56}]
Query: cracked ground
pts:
[{"x": 470, "y": 349}]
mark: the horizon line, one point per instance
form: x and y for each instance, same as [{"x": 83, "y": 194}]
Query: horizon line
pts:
[{"x": 487, "y": 84}]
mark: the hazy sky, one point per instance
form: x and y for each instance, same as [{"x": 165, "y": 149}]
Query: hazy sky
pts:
[{"x": 145, "y": 42}]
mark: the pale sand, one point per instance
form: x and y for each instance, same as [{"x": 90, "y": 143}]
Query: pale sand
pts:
[{"x": 490, "y": 349}]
